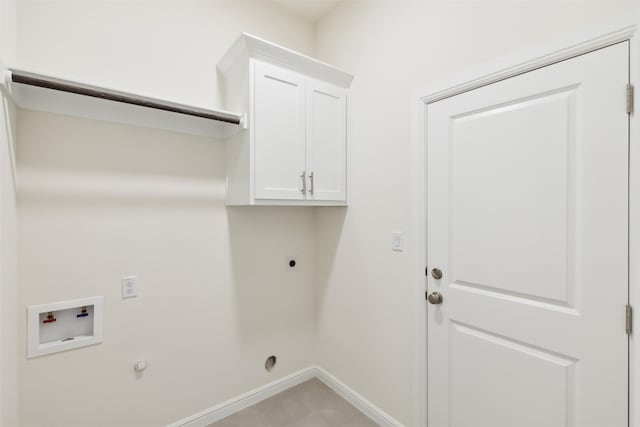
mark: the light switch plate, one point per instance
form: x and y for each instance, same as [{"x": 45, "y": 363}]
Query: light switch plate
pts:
[
  {"x": 129, "y": 287},
  {"x": 397, "y": 241}
]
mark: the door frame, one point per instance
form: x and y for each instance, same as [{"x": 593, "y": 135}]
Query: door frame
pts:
[{"x": 509, "y": 66}]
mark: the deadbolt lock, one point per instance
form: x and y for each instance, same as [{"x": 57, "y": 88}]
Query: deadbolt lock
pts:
[
  {"x": 436, "y": 273},
  {"x": 435, "y": 298}
]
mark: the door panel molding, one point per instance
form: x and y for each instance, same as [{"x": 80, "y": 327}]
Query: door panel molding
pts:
[
  {"x": 509, "y": 66},
  {"x": 522, "y": 298},
  {"x": 548, "y": 370}
]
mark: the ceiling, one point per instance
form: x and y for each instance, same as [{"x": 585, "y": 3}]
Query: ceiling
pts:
[{"x": 308, "y": 9}]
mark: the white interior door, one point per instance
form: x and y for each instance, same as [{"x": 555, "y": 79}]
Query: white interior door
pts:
[
  {"x": 326, "y": 141},
  {"x": 278, "y": 132},
  {"x": 527, "y": 220}
]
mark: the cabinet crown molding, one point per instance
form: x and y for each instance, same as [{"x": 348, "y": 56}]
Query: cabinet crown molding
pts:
[{"x": 250, "y": 46}]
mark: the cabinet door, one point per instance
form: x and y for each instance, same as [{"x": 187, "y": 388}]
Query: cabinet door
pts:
[
  {"x": 326, "y": 142},
  {"x": 279, "y": 133}
]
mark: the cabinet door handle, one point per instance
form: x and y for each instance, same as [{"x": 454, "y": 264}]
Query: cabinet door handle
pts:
[
  {"x": 304, "y": 182},
  {"x": 311, "y": 179}
]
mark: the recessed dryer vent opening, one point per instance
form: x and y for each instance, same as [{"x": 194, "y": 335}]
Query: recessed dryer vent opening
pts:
[{"x": 270, "y": 363}]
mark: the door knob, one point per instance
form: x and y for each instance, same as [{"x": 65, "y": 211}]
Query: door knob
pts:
[
  {"x": 436, "y": 273},
  {"x": 435, "y": 298}
]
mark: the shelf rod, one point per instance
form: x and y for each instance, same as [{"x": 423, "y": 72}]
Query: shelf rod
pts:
[{"x": 110, "y": 95}]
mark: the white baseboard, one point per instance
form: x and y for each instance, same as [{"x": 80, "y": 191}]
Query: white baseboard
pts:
[
  {"x": 224, "y": 409},
  {"x": 363, "y": 405}
]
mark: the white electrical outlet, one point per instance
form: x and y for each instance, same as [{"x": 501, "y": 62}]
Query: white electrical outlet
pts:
[{"x": 129, "y": 287}]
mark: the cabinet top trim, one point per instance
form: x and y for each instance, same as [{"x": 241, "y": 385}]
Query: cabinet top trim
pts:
[{"x": 249, "y": 46}]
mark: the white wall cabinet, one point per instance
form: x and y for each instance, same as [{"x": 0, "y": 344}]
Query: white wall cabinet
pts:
[
  {"x": 278, "y": 126},
  {"x": 294, "y": 150},
  {"x": 326, "y": 141}
]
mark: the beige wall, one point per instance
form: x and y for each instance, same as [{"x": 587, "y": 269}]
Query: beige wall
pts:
[
  {"x": 8, "y": 31},
  {"x": 162, "y": 48},
  {"x": 364, "y": 299},
  {"x": 97, "y": 201},
  {"x": 8, "y": 274}
]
